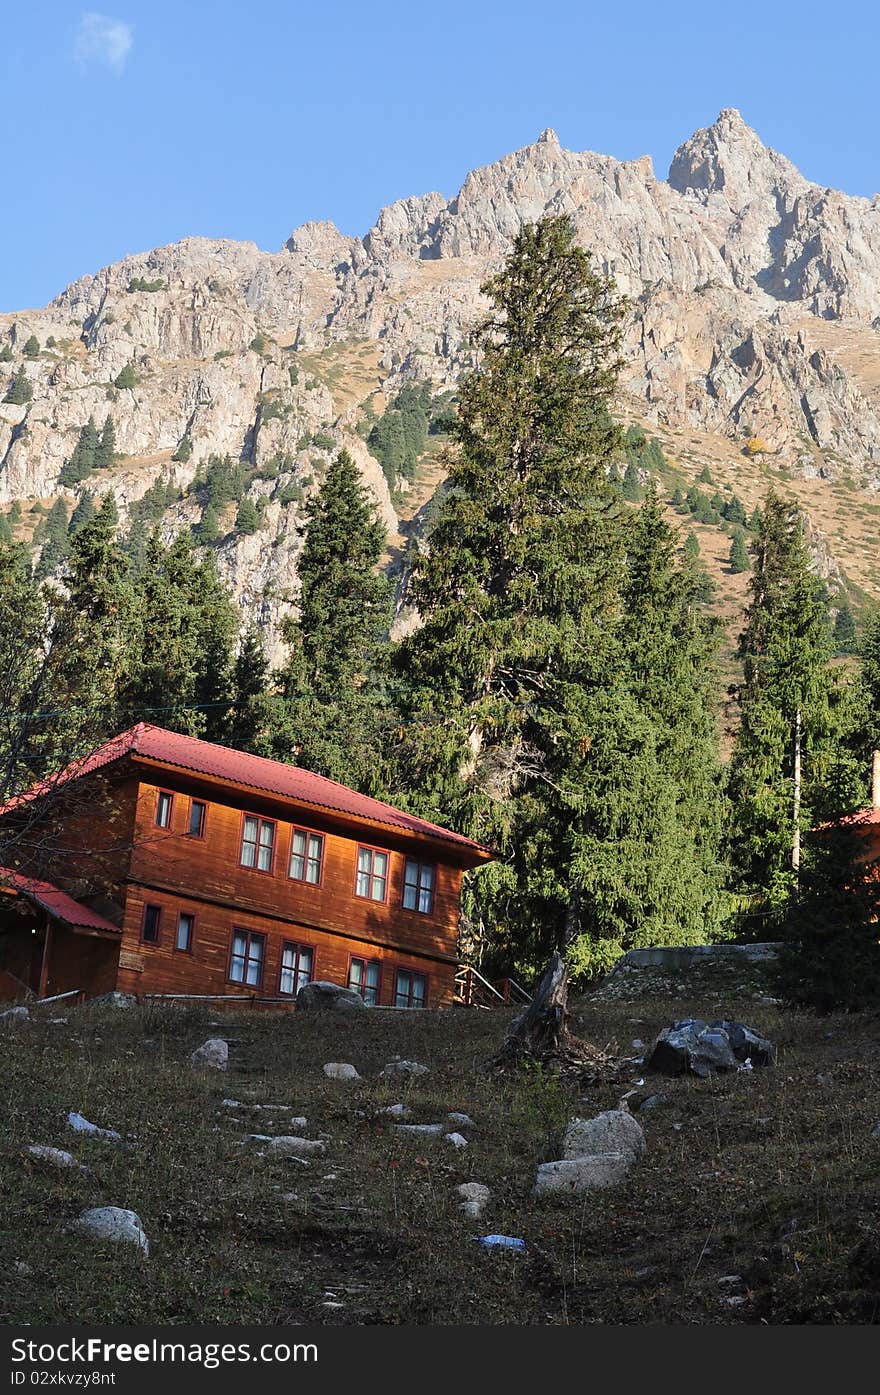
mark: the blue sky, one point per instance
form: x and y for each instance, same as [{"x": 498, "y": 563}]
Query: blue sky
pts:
[{"x": 139, "y": 123}]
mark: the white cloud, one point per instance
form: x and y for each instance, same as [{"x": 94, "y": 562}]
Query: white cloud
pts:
[{"x": 100, "y": 39}]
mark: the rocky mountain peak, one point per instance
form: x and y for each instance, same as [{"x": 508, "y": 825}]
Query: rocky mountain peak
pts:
[{"x": 729, "y": 158}]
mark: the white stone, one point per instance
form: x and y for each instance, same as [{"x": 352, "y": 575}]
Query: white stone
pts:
[
  {"x": 15, "y": 1014},
  {"x": 402, "y": 1068},
  {"x": 289, "y": 1146},
  {"x": 81, "y": 1125},
  {"x": 114, "y": 1223},
  {"x": 583, "y": 1174},
  {"x": 53, "y": 1157},
  {"x": 340, "y": 1070},
  {"x": 420, "y": 1130},
  {"x": 615, "y": 1131},
  {"x": 475, "y": 1197},
  {"x": 456, "y": 1139},
  {"x": 212, "y": 1054},
  {"x": 461, "y": 1121},
  {"x": 398, "y": 1111}
]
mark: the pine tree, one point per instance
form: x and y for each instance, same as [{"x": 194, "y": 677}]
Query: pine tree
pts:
[
  {"x": 19, "y": 391},
  {"x": 55, "y": 546},
  {"x": 734, "y": 511},
  {"x": 692, "y": 546},
  {"x": 83, "y": 513},
  {"x": 783, "y": 752},
  {"x": 251, "y": 717},
  {"x": 209, "y": 527},
  {"x": 632, "y": 486},
  {"x": 330, "y": 695},
  {"x": 184, "y": 450},
  {"x": 32, "y": 347},
  {"x": 739, "y": 556},
  {"x": 105, "y": 449},
  {"x": 518, "y": 589},
  {"x": 247, "y": 519},
  {"x": 6, "y": 354},
  {"x": 127, "y": 378},
  {"x": 845, "y": 637},
  {"x": 82, "y": 461}
]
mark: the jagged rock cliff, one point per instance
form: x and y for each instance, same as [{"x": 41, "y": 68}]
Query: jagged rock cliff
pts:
[{"x": 755, "y": 311}]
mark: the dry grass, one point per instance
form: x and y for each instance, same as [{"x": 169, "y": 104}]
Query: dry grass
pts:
[{"x": 771, "y": 1176}]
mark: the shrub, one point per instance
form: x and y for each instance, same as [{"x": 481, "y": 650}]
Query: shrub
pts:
[
  {"x": 32, "y": 347},
  {"x": 19, "y": 391},
  {"x": 184, "y": 450},
  {"x": 127, "y": 378},
  {"x": 259, "y": 343},
  {"x": 137, "y": 283}
]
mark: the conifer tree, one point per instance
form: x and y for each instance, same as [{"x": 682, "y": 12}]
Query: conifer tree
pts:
[
  {"x": 502, "y": 684},
  {"x": 55, "y": 545},
  {"x": 32, "y": 347},
  {"x": 5, "y": 530},
  {"x": 330, "y": 696},
  {"x": 251, "y": 716},
  {"x": 783, "y": 753},
  {"x": 845, "y": 637},
  {"x": 83, "y": 513},
  {"x": 19, "y": 391},
  {"x": 126, "y": 378},
  {"x": 739, "y": 556},
  {"x": 105, "y": 448},
  {"x": 82, "y": 461},
  {"x": 209, "y": 527},
  {"x": 247, "y": 519}
]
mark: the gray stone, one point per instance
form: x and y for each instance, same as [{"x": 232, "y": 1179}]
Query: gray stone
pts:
[
  {"x": 700, "y": 1048},
  {"x": 57, "y": 1158},
  {"x": 615, "y": 1131},
  {"x": 653, "y": 1102},
  {"x": 584, "y": 1174},
  {"x": 291, "y": 1147},
  {"x": 82, "y": 1125},
  {"x": 327, "y": 997},
  {"x": 456, "y": 1139},
  {"x": 475, "y": 1197},
  {"x": 114, "y": 999},
  {"x": 461, "y": 1121},
  {"x": 15, "y": 1014},
  {"x": 419, "y": 1130},
  {"x": 402, "y": 1068},
  {"x": 397, "y": 1111},
  {"x": 212, "y": 1054},
  {"x": 114, "y": 1223},
  {"x": 340, "y": 1070}
]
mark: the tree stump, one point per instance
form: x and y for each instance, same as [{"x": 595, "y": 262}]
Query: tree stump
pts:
[{"x": 541, "y": 1030}]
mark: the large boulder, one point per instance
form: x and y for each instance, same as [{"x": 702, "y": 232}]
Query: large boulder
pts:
[
  {"x": 213, "y": 1054},
  {"x": 327, "y": 997},
  {"x": 114, "y": 1223},
  {"x": 615, "y": 1131},
  {"x": 584, "y": 1174},
  {"x": 695, "y": 1047},
  {"x": 341, "y": 1070}
]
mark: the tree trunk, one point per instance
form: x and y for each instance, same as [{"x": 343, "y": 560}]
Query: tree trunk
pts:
[{"x": 541, "y": 1029}]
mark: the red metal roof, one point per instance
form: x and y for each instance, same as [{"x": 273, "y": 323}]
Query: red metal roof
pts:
[
  {"x": 223, "y": 762},
  {"x": 862, "y": 818},
  {"x": 59, "y": 905}
]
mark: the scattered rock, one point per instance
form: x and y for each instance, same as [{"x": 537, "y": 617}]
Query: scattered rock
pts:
[
  {"x": 327, "y": 997},
  {"x": 290, "y": 1147},
  {"x": 57, "y": 1158},
  {"x": 423, "y": 1130},
  {"x": 114, "y": 1223},
  {"x": 653, "y": 1102},
  {"x": 81, "y": 1125},
  {"x": 699, "y": 1048},
  {"x": 213, "y": 1054},
  {"x": 233, "y": 1104},
  {"x": 456, "y": 1139},
  {"x": 614, "y": 1132},
  {"x": 475, "y": 1197},
  {"x": 340, "y": 1070},
  {"x": 402, "y": 1068},
  {"x": 875, "y": 1132},
  {"x": 115, "y": 999},
  {"x": 398, "y": 1111},
  {"x": 461, "y": 1121},
  {"x": 583, "y": 1174},
  {"x": 15, "y": 1014},
  {"x": 22, "y": 1267}
]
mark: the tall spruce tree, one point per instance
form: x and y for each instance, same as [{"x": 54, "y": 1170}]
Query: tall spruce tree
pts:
[
  {"x": 330, "y": 693},
  {"x": 503, "y": 682},
  {"x": 646, "y": 859},
  {"x": 55, "y": 546},
  {"x": 783, "y": 755}
]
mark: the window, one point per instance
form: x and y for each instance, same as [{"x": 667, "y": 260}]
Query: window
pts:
[
  {"x": 372, "y": 874},
  {"x": 257, "y": 843},
  {"x": 150, "y": 927},
  {"x": 186, "y": 923},
  {"x": 418, "y": 886},
  {"x": 246, "y": 962},
  {"x": 197, "y": 815},
  {"x": 410, "y": 990},
  {"x": 297, "y": 962},
  {"x": 364, "y": 976},
  {"x": 306, "y": 856},
  {"x": 163, "y": 809}
]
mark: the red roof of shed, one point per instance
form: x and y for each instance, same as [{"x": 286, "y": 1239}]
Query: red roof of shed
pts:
[
  {"x": 59, "y": 905},
  {"x": 223, "y": 762}
]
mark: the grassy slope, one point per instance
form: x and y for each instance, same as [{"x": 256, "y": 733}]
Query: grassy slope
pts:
[{"x": 770, "y": 1175}]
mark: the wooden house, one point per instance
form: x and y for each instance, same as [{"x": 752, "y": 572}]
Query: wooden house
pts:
[{"x": 162, "y": 864}]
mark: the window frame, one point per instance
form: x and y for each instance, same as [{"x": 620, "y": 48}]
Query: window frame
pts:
[
  {"x": 295, "y": 945},
  {"x": 251, "y": 934},
  {"x": 192, "y": 933},
  {"x": 160, "y": 795},
  {"x": 372, "y": 850},
  {"x": 264, "y": 871},
  {"x": 417, "y": 973},
  {"x": 308, "y": 833},
  {"x": 362, "y": 959},
  {"x": 203, "y": 803},
  {"x": 151, "y": 906},
  {"x": 416, "y": 909}
]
